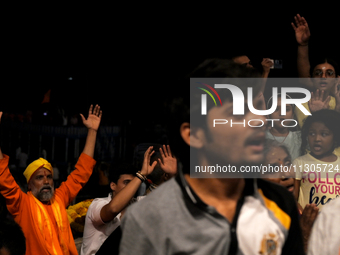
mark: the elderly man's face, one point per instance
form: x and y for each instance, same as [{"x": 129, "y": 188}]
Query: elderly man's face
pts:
[{"x": 41, "y": 185}]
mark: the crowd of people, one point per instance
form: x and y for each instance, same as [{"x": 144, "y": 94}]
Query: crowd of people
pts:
[{"x": 155, "y": 206}]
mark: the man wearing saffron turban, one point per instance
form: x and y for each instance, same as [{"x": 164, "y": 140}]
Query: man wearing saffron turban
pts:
[{"x": 41, "y": 212}]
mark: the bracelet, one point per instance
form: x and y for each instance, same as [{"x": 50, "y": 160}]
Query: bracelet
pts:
[
  {"x": 303, "y": 44},
  {"x": 141, "y": 176},
  {"x": 144, "y": 177}
]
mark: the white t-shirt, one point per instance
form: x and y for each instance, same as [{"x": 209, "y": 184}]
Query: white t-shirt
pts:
[
  {"x": 325, "y": 238},
  {"x": 320, "y": 181},
  {"x": 95, "y": 230}
]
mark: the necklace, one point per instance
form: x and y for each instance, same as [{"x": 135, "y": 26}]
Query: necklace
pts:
[{"x": 277, "y": 140}]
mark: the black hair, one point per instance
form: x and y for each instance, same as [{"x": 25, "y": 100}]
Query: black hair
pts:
[
  {"x": 158, "y": 172},
  {"x": 104, "y": 167},
  {"x": 120, "y": 167},
  {"x": 12, "y": 238},
  {"x": 330, "y": 118},
  {"x": 322, "y": 60},
  {"x": 221, "y": 68},
  {"x": 179, "y": 108}
]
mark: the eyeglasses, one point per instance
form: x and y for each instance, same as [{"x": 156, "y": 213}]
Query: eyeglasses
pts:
[{"x": 328, "y": 73}]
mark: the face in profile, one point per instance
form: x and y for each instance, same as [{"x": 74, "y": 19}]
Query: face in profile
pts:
[
  {"x": 324, "y": 75},
  {"x": 243, "y": 60},
  {"x": 278, "y": 157},
  {"x": 41, "y": 185},
  {"x": 123, "y": 180}
]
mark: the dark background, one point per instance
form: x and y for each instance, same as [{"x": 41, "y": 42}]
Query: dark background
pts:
[{"x": 128, "y": 57}]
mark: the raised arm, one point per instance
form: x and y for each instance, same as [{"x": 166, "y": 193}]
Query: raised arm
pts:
[
  {"x": 302, "y": 35},
  {"x": 122, "y": 199},
  {"x": 69, "y": 189},
  {"x": 8, "y": 187},
  {"x": 92, "y": 123},
  {"x": 266, "y": 65}
]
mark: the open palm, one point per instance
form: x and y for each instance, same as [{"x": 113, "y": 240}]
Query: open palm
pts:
[
  {"x": 94, "y": 118},
  {"x": 336, "y": 94},
  {"x": 301, "y": 29},
  {"x": 168, "y": 162},
  {"x": 146, "y": 167},
  {"x": 318, "y": 102}
]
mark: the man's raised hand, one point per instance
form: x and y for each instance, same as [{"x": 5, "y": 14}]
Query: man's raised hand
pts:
[
  {"x": 168, "y": 162},
  {"x": 146, "y": 167},
  {"x": 94, "y": 118}
]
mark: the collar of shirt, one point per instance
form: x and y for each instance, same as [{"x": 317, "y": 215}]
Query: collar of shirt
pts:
[{"x": 249, "y": 190}]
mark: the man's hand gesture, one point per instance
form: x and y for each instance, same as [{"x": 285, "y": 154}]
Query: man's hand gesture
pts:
[
  {"x": 168, "y": 162},
  {"x": 301, "y": 29},
  {"x": 146, "y": 167},
  {"x": 93, "y": 120}
]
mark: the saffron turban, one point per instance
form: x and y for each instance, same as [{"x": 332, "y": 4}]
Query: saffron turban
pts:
[{"x": 35, "y": 165}]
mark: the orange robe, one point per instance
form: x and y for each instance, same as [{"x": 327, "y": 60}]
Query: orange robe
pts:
[{"x": 36, "y": 219}]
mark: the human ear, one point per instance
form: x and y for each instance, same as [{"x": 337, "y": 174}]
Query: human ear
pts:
[
  {"x": 166, "y": 176},
  {"x": 192, "y": 136},
  {"x": 29, "y": 187},
  {"x": 113, "y": 186}
]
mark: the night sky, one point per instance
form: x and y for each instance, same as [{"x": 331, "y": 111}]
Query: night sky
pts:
[{"x": 129, "y": 59}]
